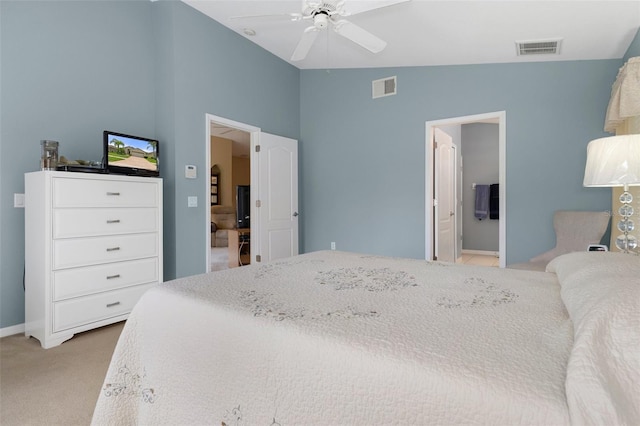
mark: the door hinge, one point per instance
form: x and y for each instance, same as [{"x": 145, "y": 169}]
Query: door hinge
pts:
[
  {"x": 257, "y": 148},
  {"x": 435, "y": 203},
  {"x": 258, "y": 258},
  {"x": 258, "y": 203}
]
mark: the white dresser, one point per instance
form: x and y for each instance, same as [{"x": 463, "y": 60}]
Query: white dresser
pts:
[{"x": 93, "y": 246}]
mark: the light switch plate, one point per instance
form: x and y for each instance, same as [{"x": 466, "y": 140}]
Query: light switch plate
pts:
[{"x": 18, "y": 200}]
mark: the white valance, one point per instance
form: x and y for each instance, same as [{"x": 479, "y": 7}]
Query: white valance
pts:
[{"x": 625, "y": 95}]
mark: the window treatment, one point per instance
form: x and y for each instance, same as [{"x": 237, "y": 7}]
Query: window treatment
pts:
[
  {"x": 625, "y": 96},
  {"x": 623, "y": 117}
]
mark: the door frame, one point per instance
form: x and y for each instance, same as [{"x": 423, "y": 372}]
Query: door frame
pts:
[
  {"x": 501, "y": 117},
  {"x": 254, "y": 135}
]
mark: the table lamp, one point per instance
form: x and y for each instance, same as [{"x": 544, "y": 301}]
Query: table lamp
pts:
[{"x": 615, "y": 161}]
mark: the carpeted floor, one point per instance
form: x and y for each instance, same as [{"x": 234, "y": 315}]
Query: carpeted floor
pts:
[
  {"x": 60, "y": 386},
  {"x": 57, "y": 386}
]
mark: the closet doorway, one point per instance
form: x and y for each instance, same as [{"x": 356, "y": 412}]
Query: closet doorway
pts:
[{"x": 432, "y": 231}]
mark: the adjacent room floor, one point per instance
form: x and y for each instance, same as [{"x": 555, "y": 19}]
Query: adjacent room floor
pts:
[
  {"x": 219, "y": 258},
  {"x": 479, "y": 259}
]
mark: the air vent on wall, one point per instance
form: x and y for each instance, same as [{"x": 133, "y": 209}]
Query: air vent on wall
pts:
[
  {"x": 538, "y": 47},
  {"x": 384, "y": 87}
]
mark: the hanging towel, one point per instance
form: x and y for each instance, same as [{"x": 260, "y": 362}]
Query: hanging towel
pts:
[
  {"x": 482, "y": 201},
  {"x": 494, "y": 201}
]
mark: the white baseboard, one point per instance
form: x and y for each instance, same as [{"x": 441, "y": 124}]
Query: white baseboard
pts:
[
  {"x": 10, "y": 331},
  {"x": 481, "y": 252}
]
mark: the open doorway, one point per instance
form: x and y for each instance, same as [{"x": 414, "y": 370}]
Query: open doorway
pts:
[
  {"x": 458, "y": 208},
  {"x": 228, "y": 166},
  {"x": 272, "y": 230}
]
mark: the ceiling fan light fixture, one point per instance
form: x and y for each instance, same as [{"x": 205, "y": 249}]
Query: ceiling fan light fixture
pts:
[
  {"x": 325, "y": 13},
  {"x": 321, "y": 20}
]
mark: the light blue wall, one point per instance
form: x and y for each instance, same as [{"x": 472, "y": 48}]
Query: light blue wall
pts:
[
  {"x": 634, "y": 48},
  {"x": 218, "y": 72},
  {"x": 163, "y": 32},
  {"x": 69, "y": 71},
  {"x": 363, "y": 160},
  {"x": 72, "y": 69}
]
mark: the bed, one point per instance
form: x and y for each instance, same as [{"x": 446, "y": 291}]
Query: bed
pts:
[{"x": 342, "y": 338}]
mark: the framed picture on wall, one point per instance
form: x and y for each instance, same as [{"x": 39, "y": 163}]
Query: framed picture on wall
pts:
[{"x": 215, "y": 182}]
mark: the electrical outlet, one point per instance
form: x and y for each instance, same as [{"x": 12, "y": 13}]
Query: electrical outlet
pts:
[
  {"x": 333, "y": 245},
  {"x": 192, "y": 201}
]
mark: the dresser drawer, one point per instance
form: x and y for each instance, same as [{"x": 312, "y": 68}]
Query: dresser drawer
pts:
[
  {"x": 70, "y": 253},
  {"x": 104, "y": 193},
  {"x": 76, "y": 282},
  {"x": 69, "y": 223},
  {"x": 83, "y": 310}
]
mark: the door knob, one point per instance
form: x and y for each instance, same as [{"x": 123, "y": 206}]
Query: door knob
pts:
[
  {"x": 295, "y": 214},
  {"x": 451, "y": 213}
]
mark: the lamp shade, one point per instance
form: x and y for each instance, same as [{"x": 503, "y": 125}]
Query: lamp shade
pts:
[{"x": 613, "y": 161}]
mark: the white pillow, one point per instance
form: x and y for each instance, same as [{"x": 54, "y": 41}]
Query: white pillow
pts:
[{"x": 601, "y": 291}]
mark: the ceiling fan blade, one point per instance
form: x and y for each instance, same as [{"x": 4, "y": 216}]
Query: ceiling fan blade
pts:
[
  {"x": 359, "y": 36},
  {"x": 355, "y": 7},
  {"x": 280, "y": 16},
  {"x": 304, "y": 45}
]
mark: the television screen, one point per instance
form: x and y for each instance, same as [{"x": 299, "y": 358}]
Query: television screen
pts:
[
  {"x": 130, "y": 155},
  {"x": 243, "y": 206}
]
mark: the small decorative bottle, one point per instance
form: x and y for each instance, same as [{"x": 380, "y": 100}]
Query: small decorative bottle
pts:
[{"x": 49, "y": 156}]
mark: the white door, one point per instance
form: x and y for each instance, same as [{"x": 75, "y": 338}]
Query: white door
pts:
[
  {"x": 276, "y": 202},
  {"x": 445, "y": 190}
]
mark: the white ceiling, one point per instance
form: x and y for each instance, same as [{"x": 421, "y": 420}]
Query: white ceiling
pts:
[{"x": 443, "y": 32}]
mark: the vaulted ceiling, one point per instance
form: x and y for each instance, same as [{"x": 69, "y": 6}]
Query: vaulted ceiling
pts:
[{"x": 426, "y": 32}]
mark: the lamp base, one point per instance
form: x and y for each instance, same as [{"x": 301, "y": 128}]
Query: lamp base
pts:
[{"x": 627, "y": 242}]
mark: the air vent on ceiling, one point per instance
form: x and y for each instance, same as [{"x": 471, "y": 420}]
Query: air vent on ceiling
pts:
[
  {"x": 538, "y": 47},
  {"x": 384, "y": 87}
]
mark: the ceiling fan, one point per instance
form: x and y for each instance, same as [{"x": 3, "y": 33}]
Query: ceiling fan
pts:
[{"x": 330, "y": 13}]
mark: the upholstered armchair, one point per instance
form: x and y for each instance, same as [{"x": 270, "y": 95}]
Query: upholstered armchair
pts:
[
  {"x": 575, "y": 230},
  {"x": 223, "y": 218}
]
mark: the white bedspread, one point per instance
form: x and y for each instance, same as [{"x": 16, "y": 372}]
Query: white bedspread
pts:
[{"x": 340, "y": 338}]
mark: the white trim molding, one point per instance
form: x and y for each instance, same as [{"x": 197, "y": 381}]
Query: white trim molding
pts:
[{"x": 10, "y": 331}]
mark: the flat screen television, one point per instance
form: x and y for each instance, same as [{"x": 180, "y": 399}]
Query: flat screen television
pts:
[
  {"x": 243, "y": 206},
  {"x": 130, "y": 155}
]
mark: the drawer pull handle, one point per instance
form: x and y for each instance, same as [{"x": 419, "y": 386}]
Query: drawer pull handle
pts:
[
  {"x": 113, "y": 193},
  {"x": 110, "y": 305},
  {"x": 111, "y": 277},
  {"x": 113, "y": 248},
  {"x": 113, "y": 221}
]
